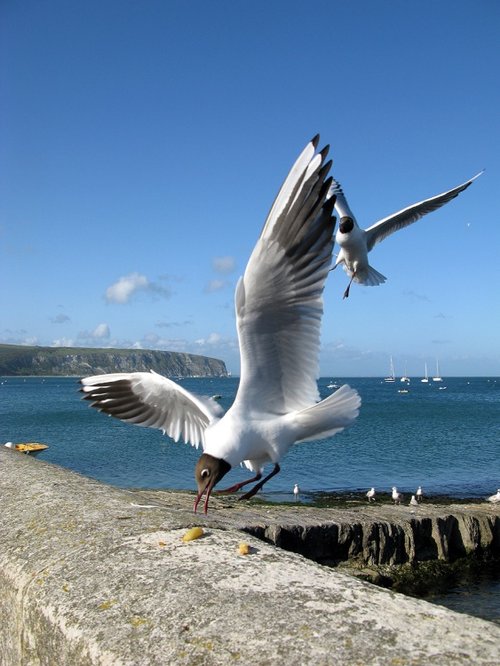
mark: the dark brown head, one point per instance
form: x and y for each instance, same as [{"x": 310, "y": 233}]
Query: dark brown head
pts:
[
  {"x": 208, "y": 471},
  {"x": 346, "y": 225}
]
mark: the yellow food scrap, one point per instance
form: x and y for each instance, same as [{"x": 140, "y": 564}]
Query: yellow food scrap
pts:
[
  {"x": 161, "y": 543},
  {"x": 243, "y": 548},
  {"x": 192, "y": 534},
  {"x": 137, "y": 621}
]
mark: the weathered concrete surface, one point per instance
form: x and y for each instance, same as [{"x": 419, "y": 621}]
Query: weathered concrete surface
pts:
[{"x": 86, "y": 577}]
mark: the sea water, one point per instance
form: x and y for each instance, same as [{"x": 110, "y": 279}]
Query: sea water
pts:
[{"x": 444, "y": 436}]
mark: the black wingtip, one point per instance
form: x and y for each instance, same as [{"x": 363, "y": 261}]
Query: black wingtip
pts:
[
  {"x": 327, "y": 166},
  {"x": 329, "y": 180},
  {"x": 315, "y": 140},
  {"x": 325, "y": 152},
  {"x": 329, "y": 204}
]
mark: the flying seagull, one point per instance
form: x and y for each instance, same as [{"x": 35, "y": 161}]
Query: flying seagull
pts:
[
  {"x": 279, "y": 306},
  {"x": 355, "y": 243}
]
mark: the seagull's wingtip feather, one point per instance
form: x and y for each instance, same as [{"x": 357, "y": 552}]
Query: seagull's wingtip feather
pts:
[{"x": 315, "y": 140}]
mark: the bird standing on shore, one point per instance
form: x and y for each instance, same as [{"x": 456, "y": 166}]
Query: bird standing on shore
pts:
[
  {"x": 355, "y": 243},
  {"x": 419, "y": 494},
  {"x": 371, "y": 495},
  {"x": 296, "y": 491},
  {"x": 396, "y": 496},
  {"x": 413, "y": 501},
  {"x": 495, "y": 498},
  {"x": 279, "y": 307}
]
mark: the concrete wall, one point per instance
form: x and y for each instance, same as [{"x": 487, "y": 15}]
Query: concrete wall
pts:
[{"x": 89, "y": 577}]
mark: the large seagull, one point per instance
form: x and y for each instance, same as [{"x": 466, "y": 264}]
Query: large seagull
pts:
[
  {"x": 279, "y": 305},
  {"x": 355, "y": 243}
]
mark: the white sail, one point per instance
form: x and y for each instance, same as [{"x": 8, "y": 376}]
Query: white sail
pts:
[
  {"x": 425, "y": 379},
  {"x": 405, "y": 379},
  {"x": 437, "y": 377},
  {"x": 392, "y": 377}
]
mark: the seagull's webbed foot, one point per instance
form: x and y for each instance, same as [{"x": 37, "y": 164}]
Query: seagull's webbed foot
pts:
[
  {"x": 237, "y": 486},
  {"x": 259, "y": 485}
]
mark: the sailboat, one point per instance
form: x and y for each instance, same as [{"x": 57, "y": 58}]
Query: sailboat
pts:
[
  {"x": 405, "y": 379},
  {"x": 437, "y": 377},
  {"x": 392, "y": 376},
  {"x": 425, "y": 380}
]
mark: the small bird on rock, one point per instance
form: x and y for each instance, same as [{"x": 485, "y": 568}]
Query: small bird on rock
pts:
[
  {"x": 296, "y": 491},
  {"x": 495, "y": 498},
  {"x": 419, "y": 494},
  {"x": 355, "y": 243},
  {"x": 396, "y": 496},
  {"x": 413, "y": 501},
  {"x": 371, "y": 495}
]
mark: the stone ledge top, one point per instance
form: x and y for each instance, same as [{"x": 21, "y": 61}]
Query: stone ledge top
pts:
[{"x": 228, "y": 510}]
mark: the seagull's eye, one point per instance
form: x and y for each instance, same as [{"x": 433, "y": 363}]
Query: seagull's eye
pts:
[{"x": 205, "y": 473}]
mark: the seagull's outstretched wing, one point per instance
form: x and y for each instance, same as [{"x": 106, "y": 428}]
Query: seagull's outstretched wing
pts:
[
  {"x": 279, "y": 299},
  {"x": 383, "y": 228},
  {"x": 148, "y": 399}
]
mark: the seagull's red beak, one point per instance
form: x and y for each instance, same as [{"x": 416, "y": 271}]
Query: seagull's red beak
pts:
[{"x": 207, "y": 489}]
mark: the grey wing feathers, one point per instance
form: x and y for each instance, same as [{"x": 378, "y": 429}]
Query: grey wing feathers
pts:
[
  {"x": 291, "y": 185},
  {"x": 383, "y": 228},
  {"x": 279, "y": 300},
  {"x": 307, "y": 235},
  {"x": 150, "y": 400}
]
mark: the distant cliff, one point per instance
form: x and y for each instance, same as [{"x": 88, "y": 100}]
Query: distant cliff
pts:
[{"x": 78, "y": 361}]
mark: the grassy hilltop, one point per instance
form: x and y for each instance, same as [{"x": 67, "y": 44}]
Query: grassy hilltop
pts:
[{"x": 18, "y": 360}]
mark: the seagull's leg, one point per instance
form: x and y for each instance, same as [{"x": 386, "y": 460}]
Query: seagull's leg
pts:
[
  {"x": 237, "y": 486},
  {"x": 346, "y": 292},
  {"x": 259, "y": 485}
]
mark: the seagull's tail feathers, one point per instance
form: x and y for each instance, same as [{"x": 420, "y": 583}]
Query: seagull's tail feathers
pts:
[
  {"x": 329, "y": 416},
  {"x": 370, "y": 277}
]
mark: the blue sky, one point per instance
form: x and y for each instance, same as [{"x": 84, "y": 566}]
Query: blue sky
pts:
[{"x": 143, "y": 144}]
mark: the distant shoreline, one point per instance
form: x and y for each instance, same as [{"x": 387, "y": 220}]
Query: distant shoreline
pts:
[
  {"x": 20, "y": 361},
  {"x": 231, "y": 376}
]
